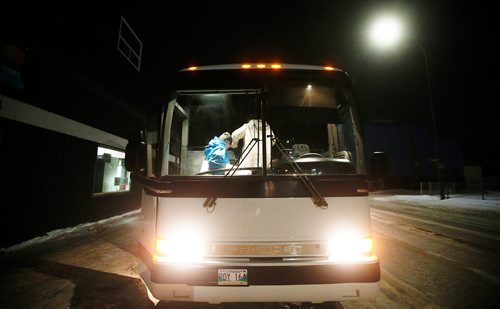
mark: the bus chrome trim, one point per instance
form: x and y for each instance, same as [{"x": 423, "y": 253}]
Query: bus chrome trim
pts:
[{"x": 266, "y": 250}]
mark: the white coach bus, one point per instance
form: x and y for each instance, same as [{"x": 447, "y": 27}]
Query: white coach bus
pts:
[{"x": 287, "y": 220}]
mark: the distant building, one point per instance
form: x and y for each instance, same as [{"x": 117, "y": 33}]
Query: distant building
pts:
[{"x": 411, "y": 153}]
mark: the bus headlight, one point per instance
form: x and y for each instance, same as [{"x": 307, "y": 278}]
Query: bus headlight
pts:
[
  {"x": 349, "y": 248},
  {"x": 181, "y": 249}
]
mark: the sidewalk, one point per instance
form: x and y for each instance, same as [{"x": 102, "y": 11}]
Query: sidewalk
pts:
[{"x": 461, "y": 201}]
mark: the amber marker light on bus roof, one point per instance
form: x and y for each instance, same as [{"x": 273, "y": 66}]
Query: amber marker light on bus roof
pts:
[
  {"x": 276, "y": 66},
  {"x": 261, "y": 66},
  {"x": 328, "y": 68},
  {"x": 192, "y": 68},
  {"x": 246, "y": 66}
]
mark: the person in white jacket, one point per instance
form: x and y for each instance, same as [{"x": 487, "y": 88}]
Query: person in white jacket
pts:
[{"x": 248, "y": 131}]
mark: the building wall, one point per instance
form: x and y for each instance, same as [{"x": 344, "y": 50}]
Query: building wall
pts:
[
  {"x": 48, "y": 183},
  {"x": 78, "y": 90}
]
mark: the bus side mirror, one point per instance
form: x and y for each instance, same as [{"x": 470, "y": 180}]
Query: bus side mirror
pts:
[
  {"x": 135, "y": 153},
  {"x": 379, "y": 164}
]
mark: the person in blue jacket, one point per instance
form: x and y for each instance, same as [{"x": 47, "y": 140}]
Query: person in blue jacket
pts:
[{"x": 216, "y": 152}]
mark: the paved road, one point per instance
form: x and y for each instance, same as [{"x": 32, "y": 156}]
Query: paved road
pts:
[
  {"x": 430, "y": 258},
  {"x": 435, "y": 257},
  {"x": 92, "y": 268}
]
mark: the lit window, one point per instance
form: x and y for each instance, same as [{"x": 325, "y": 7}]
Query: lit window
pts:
[{"x": 110, "y": 174}]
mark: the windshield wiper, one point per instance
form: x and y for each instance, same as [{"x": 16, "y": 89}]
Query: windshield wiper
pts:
[
  {"x": 209, "y": 203},
  {"x": 317, "y": 198},
  {"x": 315, "y": 195}
]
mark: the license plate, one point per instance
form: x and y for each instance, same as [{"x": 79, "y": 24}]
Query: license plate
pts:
[{"x": 232, "y": 277}]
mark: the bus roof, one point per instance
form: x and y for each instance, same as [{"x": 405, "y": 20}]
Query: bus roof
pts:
[{"x": 260, "y": 66}]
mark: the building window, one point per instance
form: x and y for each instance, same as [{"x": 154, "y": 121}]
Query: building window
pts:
[
  {"x": 110, "y": 174},
  {"x": 129, "y": 44}
]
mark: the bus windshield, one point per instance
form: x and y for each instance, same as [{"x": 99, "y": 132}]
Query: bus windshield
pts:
[{"x": 277, "y": 122}]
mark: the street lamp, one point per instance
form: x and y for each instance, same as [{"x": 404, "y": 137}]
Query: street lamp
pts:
[{"x": 385, "y": 33}]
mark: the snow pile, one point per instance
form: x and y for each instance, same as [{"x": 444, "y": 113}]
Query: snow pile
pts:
[{"x": 69, "y": 230}]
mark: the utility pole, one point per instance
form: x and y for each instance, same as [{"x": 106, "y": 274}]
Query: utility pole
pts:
[{"x": 434, "y": 127}]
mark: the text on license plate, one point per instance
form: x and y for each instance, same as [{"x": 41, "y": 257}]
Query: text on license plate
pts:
[{"x": 232, "y": 277}]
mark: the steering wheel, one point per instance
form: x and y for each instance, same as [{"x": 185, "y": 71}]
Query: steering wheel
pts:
[{"x": 312, "y": 155}]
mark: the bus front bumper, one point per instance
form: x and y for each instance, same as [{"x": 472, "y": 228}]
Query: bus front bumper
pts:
[{"x": 266, "y": 282}]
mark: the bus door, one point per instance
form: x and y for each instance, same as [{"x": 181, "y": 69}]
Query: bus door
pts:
[{"x": 175, "y": 138}]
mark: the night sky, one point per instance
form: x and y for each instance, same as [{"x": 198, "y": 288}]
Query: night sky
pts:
[{"x": 460, "y": 39}]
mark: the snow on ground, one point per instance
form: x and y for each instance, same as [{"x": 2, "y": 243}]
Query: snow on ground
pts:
[
  {"x": 491, "y": 200},
  {"x": 69, "y": 230}
]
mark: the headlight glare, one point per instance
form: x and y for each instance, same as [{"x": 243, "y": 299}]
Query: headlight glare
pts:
[
  {"x": 179, "y": 250},
  {"x": 348, "y": 249}
]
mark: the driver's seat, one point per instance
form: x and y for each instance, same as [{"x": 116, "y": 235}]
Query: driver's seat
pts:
[{"x": 299, "y": 150}]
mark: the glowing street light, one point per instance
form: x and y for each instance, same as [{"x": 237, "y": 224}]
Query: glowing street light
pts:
[{"x": 385, "y": 33}]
